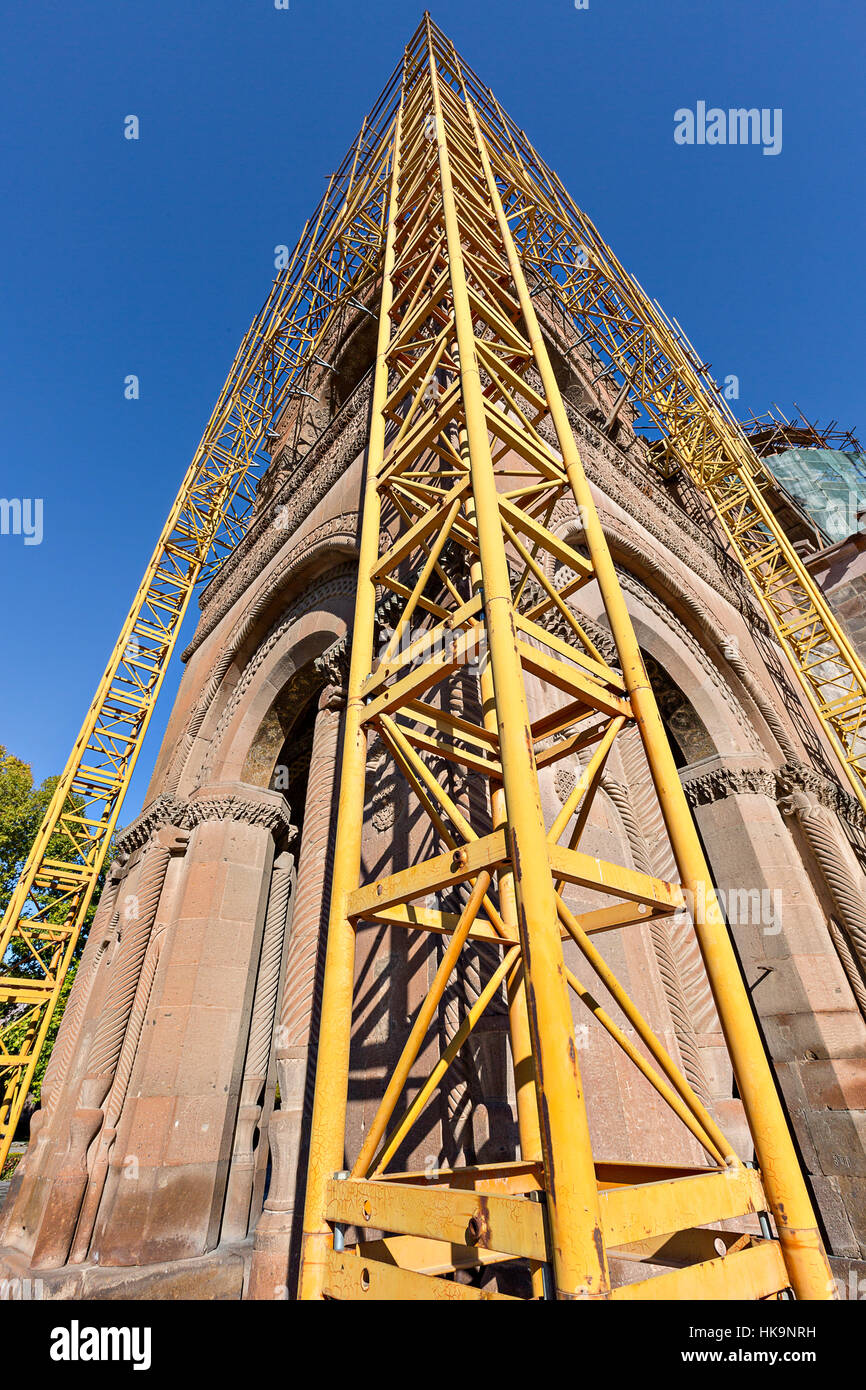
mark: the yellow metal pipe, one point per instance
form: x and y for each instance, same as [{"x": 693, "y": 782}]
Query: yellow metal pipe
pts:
[
  {"x": 666, "y": 1092},
  {"x": 393, "y": 1142},
  {"x": 328, "y": 1123},
  {"x": 427, "y": 569},
  {"x": 419, "y": 776},
  {"x": 590, "y": 774},
  {"x": 783, "y": 1179},
  {"x": 424, "y": 1018},
  {"x": 578, "y": 1256},
  {"x": 522, "y": 1063},
  {"x": 645, "y": 1033}
]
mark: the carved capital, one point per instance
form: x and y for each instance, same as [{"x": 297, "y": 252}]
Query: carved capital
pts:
[
  {"x": 715, "y": 783},
  {"x": 175, "y": 839},
  {"x": 236, "y": 801},
  {"x": 801, "y": 790},
  {"x": 333, "y": 667},
  {"x": 164, "y": 810}
]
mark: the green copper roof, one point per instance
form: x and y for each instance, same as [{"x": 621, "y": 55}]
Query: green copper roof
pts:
[{"x": 829, "y": 484}]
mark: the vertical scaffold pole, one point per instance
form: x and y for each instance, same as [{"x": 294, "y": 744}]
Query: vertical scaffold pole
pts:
[
  {"x": 579, "y": 1261},
  {"x": 784, "y": 1183},
  {"x": 332, "y": 1064}
]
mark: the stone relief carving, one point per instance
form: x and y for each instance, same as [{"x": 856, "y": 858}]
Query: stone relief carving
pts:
[
  {"x": 382, "y": 787},
  {"x": 564, "y": 782},
  {"x": 223, "y": 804},
  {"x": 166, "y": 809},
  {"x": 795, "y": 786},
  {"x": 813, "y": 802},
  {"x": 333, "y": 666},
  {"x": 307, "y": 483},
  {"x": 679, "y": 586},
  {"x": 338, "y": 530},
  {"x": 722, "y": 782},
  {"x": 616, "y": 476},
  {"x": 341, "y": 528},
  {"x": 798, "y": 775}
]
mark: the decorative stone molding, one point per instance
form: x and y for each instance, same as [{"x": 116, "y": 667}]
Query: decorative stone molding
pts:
[
  {"x": 564, "y": 782},
  {"x": 813, "y": 802},
  {"x": 236, "y": 1212},
  {"x": 164, "y": 810},
  {"x": 304, "y": 486},
  {"x": 721, "y": 782},
  {"x": 797, "y": 777},
  {"x": 617, "y": 477},
  {"x": 553, "y": 621},
  {"x": 307, "y": 483},
  {"x": 338, "y": 534},
  {"x": 682, "y": 592},
  {"x": 382, "y": 787},
  {"x": 673, "y": 581},
  {"x": 237, "y": 802},
  {"x": 338, "y": 583},
  {"x": 333, "y": 667},
  {"x": 57, "y": 1229},
  {"x": 168, "y": 820},
  {"x": 673, "y": 944}
]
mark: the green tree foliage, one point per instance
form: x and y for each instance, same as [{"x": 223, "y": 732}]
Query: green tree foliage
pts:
[{"x": 22, "y": 807}]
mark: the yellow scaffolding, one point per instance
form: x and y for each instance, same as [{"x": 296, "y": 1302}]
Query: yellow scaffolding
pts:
[
  {"x": 444, "y": 212},
  {"x": 336, "y": 259},
  {"x": 458, "y": 457}
]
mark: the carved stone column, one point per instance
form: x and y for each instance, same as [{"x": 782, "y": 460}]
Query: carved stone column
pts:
[
  {"x": 18, "y": 1211},
  {"x": 663, "y": 936},
  {"x": 119, "y": 907},
  {"x": 778, "y": 913},
  {"x": 236, "y": 1217},
  {"x": 136, "y": 921},
  {"x": 169, "y": 1162},
  {"x": 270, "y": 1275},
  {"x": 800, "y": 798},
  {"x": 176, "y": 842}
]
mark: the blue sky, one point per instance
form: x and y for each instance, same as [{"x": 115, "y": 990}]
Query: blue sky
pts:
[{"x": 152, "y": 256}]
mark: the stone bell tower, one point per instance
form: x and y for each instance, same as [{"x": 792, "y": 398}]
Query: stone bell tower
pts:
[{"x": 167, "y": 1159}]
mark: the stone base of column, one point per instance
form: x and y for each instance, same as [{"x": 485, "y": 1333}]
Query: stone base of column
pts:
[
  {"x": 270, "y": 1273},
  {"x": 273, "y": 1274},
  {"x": 219, "y": 1276}
]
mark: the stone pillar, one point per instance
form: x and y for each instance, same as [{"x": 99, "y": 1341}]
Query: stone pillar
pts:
[
  {"x": 270, "y": 1274},
  {"x": 136, "y": 922},
  {"x": 176, "y": 842},
  {"x": 842, "y": 873},
  {"x": 779, "y": 919},
  {"x": 119, "y": 906},
  {"x": 169, "y": 1162},
  {"x": 236, "y": 1217},
  {"x": 19, "y": 1214}
]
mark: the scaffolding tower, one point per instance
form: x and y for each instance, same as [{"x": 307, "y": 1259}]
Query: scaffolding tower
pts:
[{"x": 446, "y": 219}]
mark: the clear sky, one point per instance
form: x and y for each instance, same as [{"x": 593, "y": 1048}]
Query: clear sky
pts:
[{"x": 152, "y": 256}]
